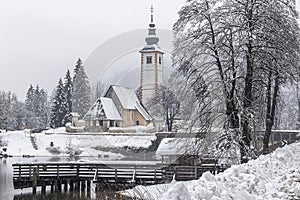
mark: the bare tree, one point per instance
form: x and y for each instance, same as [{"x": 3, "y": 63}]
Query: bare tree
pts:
[
  {"x": 164, "y": 104},
  {"x": 98, "y": 90}
]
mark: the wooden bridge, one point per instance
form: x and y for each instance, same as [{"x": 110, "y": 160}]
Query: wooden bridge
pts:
[{"x": 78, "y": 176}]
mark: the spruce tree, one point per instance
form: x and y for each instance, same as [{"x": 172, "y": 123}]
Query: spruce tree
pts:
[
  {"x": 77, "y": 66},
  {"x": 29, "y": 101},
  {"x": 58, "y": 110},
  {"x": 41, "y": 107},
  {"x": 81, "y": 99},
  {"x": 68, "y": 90},
  {"x": 36, "y": 108},
  {"x": 29, "y": 106}
]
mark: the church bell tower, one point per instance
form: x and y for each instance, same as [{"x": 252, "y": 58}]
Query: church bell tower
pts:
[{"x": 152, "y": 64}]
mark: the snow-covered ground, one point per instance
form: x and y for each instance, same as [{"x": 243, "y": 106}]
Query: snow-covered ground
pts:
[
  {"x": 19, "y": 143},
  {"x": 274, "y": 176}
]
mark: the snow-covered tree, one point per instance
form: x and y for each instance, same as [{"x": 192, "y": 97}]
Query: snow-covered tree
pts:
[
  {"x": 58, "y": 110},
  {"x": 68, "y": 90},
  {"x": 77, "y": 66},
  {"x": 18, "y": 115},
  {"x": 40, "y": 106},
  {"x": 11, "y": 111},
  {"x": 243, "y": 50},
  {"x": 205, "y": 50},
  {"x": 29, "y": 105},
  {"x": 36, "y": 107},
  {"x": 81, "y": 99}
]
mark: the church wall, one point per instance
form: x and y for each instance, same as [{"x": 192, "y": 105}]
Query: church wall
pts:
[
  {"x": 127, "y": 118},
  {"x": 138, "y": 117},
  {"x": 131, "y": 117}
]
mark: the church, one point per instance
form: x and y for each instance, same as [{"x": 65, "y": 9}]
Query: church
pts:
[{"x": 120, "y": 106}]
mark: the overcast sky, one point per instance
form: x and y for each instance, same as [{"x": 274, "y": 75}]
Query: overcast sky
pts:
[{"x": 40, "y": 40}]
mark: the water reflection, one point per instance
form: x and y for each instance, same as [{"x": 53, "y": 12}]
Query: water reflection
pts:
[
  {"x": 54, "y": 196},
  {"x": 69, "y": 195}
]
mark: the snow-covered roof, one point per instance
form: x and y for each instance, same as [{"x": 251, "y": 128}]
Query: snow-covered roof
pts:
[
  {"x": 110, "y": 109},
  {"x": 74, "y": 114},
  {"x": 126, "y": 96},
  {"x": 103, "y": 108},
  {"x": 142, "y": 111},
  {"x": 151, "y": 48},
  {"x": 179, "y": 146},
  {"x": 129, "y": 100}
]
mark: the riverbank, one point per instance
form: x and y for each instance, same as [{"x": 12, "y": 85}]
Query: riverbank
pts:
[{"x": 57, "y": 142}]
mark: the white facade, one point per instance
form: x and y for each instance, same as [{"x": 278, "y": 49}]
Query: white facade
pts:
[{"x": 152, "y": 65}]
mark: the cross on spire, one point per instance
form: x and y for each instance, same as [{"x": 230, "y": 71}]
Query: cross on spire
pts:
[{"x": 151, "y": 9}]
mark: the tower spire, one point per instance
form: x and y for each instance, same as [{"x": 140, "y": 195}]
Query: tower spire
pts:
[{"x": 152, "y": 65}]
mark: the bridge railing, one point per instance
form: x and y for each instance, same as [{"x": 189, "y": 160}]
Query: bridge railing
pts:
[{"x": 25, "y": 173}]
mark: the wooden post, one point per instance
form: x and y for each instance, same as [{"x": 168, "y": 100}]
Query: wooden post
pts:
[
  {"x": 88, "y": 185},
  {"x": 65, "y": 186},
  {"x": 77, "y": 184},
  {"x": 77, "y": 171},
  {"x": 196, "y": 174},
  {"x": 52, "y": 187},
  {"x": 34, "y": 181},
  {"x": 20, "y": 172},
  {"x": 97, "y": 190},
  {"x": 96, "y": 176},
  {"x": 56, "y": 185},
  {"x": 43, "y": 190},
  {"x": 71, "y": 183},
  {"x": 77, "y": 181},
  {"x": 88, "y": 189},
  {"x": 116, "y": 175},
  {"x": 59, "y": 185},
  {"x": 154, "y": 176},
  {"x": 82, "y": 186},
  {"x": 57, "y": 171},
  {"x": 29, "y": 171}
]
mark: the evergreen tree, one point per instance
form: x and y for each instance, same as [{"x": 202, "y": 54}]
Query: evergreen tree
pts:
[
  {"x": 58, "y": 110},
  {"x": 68, "y": 90},
  {"x": 77, "y": 66},
  {"x": 41, "y": 107},
  {"x": 29, "y": 106},
  {"x": 36, "y": 108},
  {"x": 29, "y": 101},
  {"x": 18, "y": 114},
  {"x": 81, "y": 99},
  {"x": 11, "y": 111}
]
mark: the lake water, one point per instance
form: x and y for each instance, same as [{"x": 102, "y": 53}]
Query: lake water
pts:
[{"x": 7, "y": 192}]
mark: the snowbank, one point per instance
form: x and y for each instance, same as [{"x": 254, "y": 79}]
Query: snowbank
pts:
[
  {"x": 21, "y": 143},
  {"x": 274, "y": 176}
]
